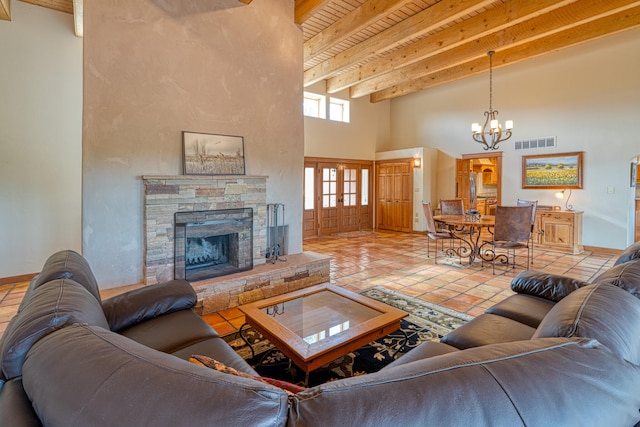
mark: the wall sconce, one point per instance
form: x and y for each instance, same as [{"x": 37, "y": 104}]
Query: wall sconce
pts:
[
  {"x": 416, "y": 162},
  {"x": 560, "y": 195}
]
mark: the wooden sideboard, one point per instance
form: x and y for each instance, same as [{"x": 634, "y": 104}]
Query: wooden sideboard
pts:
[{"x": 559, "y": 231}]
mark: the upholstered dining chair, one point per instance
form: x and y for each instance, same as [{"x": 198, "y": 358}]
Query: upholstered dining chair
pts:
[
  {"x": 533, "y": 203},
  {"x": 512, "y": 231},
  {"x": 436, "y": 234}
]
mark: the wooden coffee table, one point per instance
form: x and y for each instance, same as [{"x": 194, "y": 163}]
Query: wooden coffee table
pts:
[{"x": 316, "y": 325}]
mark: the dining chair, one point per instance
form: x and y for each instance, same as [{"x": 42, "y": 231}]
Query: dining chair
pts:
[
  {"x": 452, "y": 207},
  {"x": 512, "y": 231},
  {"x": 436, "y": 234},
  {"x": 533, "y": 203}
]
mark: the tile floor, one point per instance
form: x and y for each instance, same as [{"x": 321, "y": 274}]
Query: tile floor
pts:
[{"x": 396, "y": 261}]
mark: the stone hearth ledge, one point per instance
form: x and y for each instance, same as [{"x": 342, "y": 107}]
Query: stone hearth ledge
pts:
[{"x": 263, "y": 281}]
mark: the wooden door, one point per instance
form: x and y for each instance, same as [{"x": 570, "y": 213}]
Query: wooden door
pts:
[
  {"x": 463, "y": 186},
  {"x": 328, "y": 185},
  {"x": 340, "y": 198},
  {"x": 348, "y": 203},
  {"x": 395, "y": 195}
]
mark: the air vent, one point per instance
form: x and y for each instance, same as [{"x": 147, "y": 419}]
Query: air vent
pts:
[{"x": 528, "y": 144}]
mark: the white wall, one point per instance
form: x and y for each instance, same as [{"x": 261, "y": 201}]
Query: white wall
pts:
[
  {"x": 40, "y": 138},
  {"x": 368, "y": 128},
  {"x": 588, "y": 96},
  {"x": 154, "y": 69}
]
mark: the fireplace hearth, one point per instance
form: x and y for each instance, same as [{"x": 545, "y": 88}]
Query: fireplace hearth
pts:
[{"x": 213, "y": 243}]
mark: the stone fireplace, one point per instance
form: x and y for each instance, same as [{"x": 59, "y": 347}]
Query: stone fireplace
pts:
[
  {"x": 213, "y": 243},
  {"x": 178, "y": 211},
  {"x": 195, "y": 199}
]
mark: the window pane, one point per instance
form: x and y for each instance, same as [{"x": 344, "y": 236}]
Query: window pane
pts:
[
  {"x": 353, "y": 187},
  {"x": 332, "y": 201},
  {"x": 334, "y": 174},
  {"x": 333, "y": 188},
  {"x": 325, "y": 201},
  {"x": 309, "y": 188},
  {"x": 325, "y": 188},
  {"x": 365, "y": 187},
  {"x": 325, "y": 174},
  {"x": 353, "y": 200}
]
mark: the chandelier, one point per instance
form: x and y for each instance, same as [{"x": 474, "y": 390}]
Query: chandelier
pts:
[{"x": 490, "y": 134}]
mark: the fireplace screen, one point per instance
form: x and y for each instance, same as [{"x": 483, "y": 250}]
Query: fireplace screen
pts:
[{"x": 213, "y": 243}]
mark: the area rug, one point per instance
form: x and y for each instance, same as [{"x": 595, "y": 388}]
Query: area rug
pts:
[{"x": 426, "y": 322}]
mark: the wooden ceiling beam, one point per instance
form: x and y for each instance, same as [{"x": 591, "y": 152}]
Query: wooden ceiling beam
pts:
[
  {"x": 358, "y": 19},
  {"x": 304, "y": 9},
  {"x": 569, "y": 16},
  {"x": 5, "y": 10},
  {"x": 78, "y": 17},
  {"x": 593, "y": 30},
  {"x": 430, "y": 19},
  {"x": 474, "y": 28}
]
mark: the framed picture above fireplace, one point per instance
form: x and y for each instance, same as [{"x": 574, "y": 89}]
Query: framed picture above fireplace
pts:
[{"x": 212, "y": 154}]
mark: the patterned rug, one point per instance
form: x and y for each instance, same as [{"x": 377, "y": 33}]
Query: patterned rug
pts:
[{"x": 426, "y": 322}]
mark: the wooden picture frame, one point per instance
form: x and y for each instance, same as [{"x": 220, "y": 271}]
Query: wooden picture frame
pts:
[
  {"x": 561, "y": 171},
  {"x": 212, "y": 154}
]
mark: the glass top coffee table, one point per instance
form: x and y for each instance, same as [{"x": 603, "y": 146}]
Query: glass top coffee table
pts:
[{"x": 316, "y": 325}]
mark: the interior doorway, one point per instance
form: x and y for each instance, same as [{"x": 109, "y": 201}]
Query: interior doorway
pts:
[
  {"x": 336, "y": 196},
  {"x": 479, "y": 181}
]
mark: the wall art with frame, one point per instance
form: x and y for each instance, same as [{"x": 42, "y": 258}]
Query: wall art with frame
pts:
[
  {"x": 212, "y": 154},
  {"x": 562, "y": 170}
]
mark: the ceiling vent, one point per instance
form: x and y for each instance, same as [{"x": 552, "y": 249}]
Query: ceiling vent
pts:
[{"x": 527, "y": 144}]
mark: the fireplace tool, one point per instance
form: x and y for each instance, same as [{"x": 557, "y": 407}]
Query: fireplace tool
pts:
[{"x": 273, "y": 246}]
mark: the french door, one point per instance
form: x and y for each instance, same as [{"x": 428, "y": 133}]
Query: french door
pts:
[{"x": 341, "y": 198}]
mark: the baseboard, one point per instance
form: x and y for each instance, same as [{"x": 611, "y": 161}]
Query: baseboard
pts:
[
  {"x": 603, "y": 250},
  {"x": 17, "y": 279}
]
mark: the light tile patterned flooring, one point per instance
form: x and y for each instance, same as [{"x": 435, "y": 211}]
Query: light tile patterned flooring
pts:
[{"x": 397, "y": 261}]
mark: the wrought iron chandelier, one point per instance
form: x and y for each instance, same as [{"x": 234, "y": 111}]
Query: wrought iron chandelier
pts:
[{"x": 490, "y": 134}]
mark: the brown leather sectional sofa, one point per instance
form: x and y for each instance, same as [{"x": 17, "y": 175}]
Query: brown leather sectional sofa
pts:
[{"x": 558, "y": 352}]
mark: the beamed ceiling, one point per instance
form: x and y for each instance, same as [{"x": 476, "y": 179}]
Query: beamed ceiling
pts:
[{"x": 388, "y": 48}]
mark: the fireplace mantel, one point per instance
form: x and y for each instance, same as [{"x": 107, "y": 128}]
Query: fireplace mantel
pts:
[{"x": 164, "y": 195}]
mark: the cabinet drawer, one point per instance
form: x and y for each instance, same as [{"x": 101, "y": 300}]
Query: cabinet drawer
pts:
[{"x": 558, "y": 217}]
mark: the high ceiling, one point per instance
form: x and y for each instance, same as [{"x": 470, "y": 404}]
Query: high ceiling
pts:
[{"x": 388, "y": 48}]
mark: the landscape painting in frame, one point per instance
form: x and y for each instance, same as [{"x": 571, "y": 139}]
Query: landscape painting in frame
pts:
[
  {"x": 552, "y": 171},
  {"x": 211, "y": 154}
]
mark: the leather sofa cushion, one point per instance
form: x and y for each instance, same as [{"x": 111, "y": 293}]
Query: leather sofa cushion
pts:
[
  {"x": 109, "y": 380},
  {"x": 630, "y": 253},
  {"x": 625, "y": 276},
  {"x": 523, "y": 308},
  {"x": 423, "y": 351},
  {"x": 129, "y": 308},
  {"x": 487, "y": 329},
  {"x": 545, "y": 285},
  {"x": 545, "y": 382},
  {"x": 15, "y": 405},
  {"x": 171, "y": 332},
  {"x": 603, "y": 312},
  {"x": 51, "y": 306},
  {"x": 218, "y": 349},
  {"x": 66, "y": 264}
]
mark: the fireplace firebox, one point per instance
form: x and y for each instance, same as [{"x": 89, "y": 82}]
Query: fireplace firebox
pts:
[{"x": 213, "y": 243}]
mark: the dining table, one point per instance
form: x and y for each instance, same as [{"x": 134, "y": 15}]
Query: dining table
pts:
[{"x": 468, "y": 229}]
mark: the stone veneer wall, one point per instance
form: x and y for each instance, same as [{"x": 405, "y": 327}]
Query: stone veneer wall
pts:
[
  {"x": 166, "y": 195},
  {"x": 264, "y": 281}
]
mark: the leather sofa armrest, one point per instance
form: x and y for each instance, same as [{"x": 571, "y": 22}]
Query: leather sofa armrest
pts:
[
  {"x": 130, "y": 308},
  {"x": 552, "y": 287}
]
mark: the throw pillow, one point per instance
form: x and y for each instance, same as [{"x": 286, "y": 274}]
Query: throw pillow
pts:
[{"x": 208, "y": 362}]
